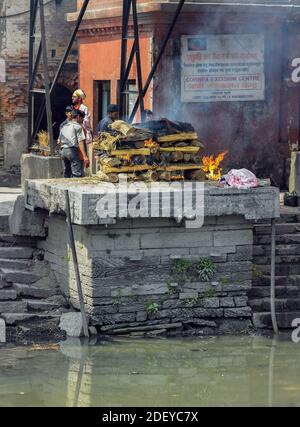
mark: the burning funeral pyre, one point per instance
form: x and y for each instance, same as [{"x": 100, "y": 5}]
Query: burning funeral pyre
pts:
[{"x": 154, "y": 151}]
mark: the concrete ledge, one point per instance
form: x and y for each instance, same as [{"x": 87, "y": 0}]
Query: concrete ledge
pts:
[
  {"x": 252, "y": 204},
  {"x": 39, "y": 167}
]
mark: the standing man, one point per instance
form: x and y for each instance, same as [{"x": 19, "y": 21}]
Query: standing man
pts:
[
  {"x": 112, "y": 115},
  {"x": 72, "y": 142},
  {"x": 69, "y": 117},
  {"x": 77, "y": 99}
]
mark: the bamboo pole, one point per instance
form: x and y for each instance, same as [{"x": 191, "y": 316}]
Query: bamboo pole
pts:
[{"x": 76, "y": 266}]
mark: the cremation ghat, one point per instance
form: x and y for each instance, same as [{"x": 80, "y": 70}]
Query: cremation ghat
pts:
[{"x": 156, "y": 273}]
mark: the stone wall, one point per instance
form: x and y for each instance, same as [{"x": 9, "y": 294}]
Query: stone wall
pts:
[{"x": 141, "y": 274}]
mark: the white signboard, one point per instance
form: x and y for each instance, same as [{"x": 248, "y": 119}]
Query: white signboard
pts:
[
  {"x": 222, "y": 68},
  {"x": 2, "y": 71}
]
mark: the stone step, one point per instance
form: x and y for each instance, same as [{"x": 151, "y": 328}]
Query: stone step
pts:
[
  {"x": 8, "y": 294},
  {"x": 281, "y": 249},
  {"x": 32, "y": 291},
  {"x": 4, "y": 223},
  {"x": 16, "y": 276},
  {"x": 280, "y": 291},
  {"x": 12, "y": 264},
  {"x": 13, "y": 307},
  {"x": 40, "y": 305},
  {"x": 284, "y": 320},
  {"x": 4, "y": 285},
  {"x": 281, "y": 304},
  {"x": 16, "y": 252},
  {"x": 284, "y": 228},
  {"x": 20, "y": 318},
  {"x": 259, "y": 239},
  {"x": 7, "y": 239},
  {"x": 265, "y": 280},
  {"x": 280, "y": 269},
  {"x": 279, "y": 259}
]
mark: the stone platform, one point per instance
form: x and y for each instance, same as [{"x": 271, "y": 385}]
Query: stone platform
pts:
[{"x": 141, "y": 274}]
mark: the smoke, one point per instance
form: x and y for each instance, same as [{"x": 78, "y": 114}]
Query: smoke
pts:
[{"x": 249, "y": 130}]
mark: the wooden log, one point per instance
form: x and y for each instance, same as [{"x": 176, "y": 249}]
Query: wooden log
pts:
[
  {"x": 139, "y": 144},
  {"x": 111, "y": 177},
  {"x": 187, "y": 157},
  {"x": 164, "y": 176},
  {"x": 186, "y": 149},
  {"x": 185, "y": 166},
  {"x": 195, "y": 158},
  {"x": 135, "y": 168},
  {"x": 176, "y": 156},
  {"x": 131, "y": 152},
  {"x": 198, "y": 175},
  {"x": 178, "y": 137},
  {"x": 197, "y": 143},
  {"x": 149, "y": 176},
  {"x": 107, "y": 160}
]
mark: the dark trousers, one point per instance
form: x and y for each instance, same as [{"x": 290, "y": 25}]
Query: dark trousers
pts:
[{"x": 73, "y": 166}]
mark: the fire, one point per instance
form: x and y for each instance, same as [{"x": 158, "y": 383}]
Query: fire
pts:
[
  {"x": 126, "y": 157},
  {"x": 211, "y": 166},
  {"x": 149, "y": 143}
]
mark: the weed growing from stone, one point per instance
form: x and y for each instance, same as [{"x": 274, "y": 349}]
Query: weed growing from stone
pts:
[
  {"x": 206, "y": 269},
  {"x": 151, "y": 307}
]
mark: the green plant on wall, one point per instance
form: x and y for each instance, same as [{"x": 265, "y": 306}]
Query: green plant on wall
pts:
[
  {"x": 191, "y": 302},
  {"x": 171, "y": 289},
  {"x": 151, "y": 307},
  {"x": 181, "y": 266},
  {"x": 117, "y": 298},
  {"x": 210, "y": 293},
  {"x": 206, "y": 269},
  {"x": 256, "y": 271}
]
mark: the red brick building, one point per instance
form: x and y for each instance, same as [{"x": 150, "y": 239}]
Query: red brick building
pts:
[
  {"x": 14, "y": 29},
  {"x": 256, "y": 129}
]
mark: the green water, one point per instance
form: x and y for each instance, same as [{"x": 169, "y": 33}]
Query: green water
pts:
[{"x": 226, "y": 371}]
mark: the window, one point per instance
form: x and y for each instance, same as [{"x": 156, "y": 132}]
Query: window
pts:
[
  {"x": 101, "y": 99},
  {"x": 131, "y": 94}
]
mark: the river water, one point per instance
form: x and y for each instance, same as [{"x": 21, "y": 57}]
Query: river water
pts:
[{"x": 224, "y": 371}]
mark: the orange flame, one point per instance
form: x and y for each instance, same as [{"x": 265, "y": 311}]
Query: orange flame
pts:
[
  {"x": 126, "y": 157},
  {"x": 149, "y": 143},
  {"x": 211, "y": 166}
]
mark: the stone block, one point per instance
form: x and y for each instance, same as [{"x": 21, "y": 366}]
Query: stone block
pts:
[
  {"x": 2, "y": 331},
  {"x": 233, "y": 237},
  {"x": 241, "y": 301},
  {"x": 6, "y": 295},
  {"x": 13, "y": 307},
  {"x": 227, "y": 302},
  {"x": 39, "y": 167},
  {"x": 23, "y": 222},
  {"x": 141, "y": 316},
  {"x": 176, "y": 240},
  {"x": 238, "y": 312},
  {"x": 210, "y": 302},
  {"x": 72, "y": 324}
]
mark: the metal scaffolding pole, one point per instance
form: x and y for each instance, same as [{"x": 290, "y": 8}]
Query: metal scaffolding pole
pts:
[
  {"x": 33, "y": 125},
  {"x": 157, "y": 61}
]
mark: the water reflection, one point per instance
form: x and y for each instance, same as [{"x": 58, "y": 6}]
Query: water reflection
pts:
[{"x": 223, "y": 371}]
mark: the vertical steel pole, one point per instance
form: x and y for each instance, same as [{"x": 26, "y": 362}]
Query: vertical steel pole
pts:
[
  {"x": 61, "y": 65},
  {"x": 31, "y": 74},
  {"x": 159, "y": 56},
  {"x": 46, "y": 77},
  {"x": 125, "y": 19},
  {"x": 138, "y": 59}
]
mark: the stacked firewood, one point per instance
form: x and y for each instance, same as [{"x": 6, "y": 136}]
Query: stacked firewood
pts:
[{"x": 153, "y": 151}]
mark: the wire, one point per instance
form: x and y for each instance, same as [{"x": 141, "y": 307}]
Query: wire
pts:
[{"x": 24, "y": 12}]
